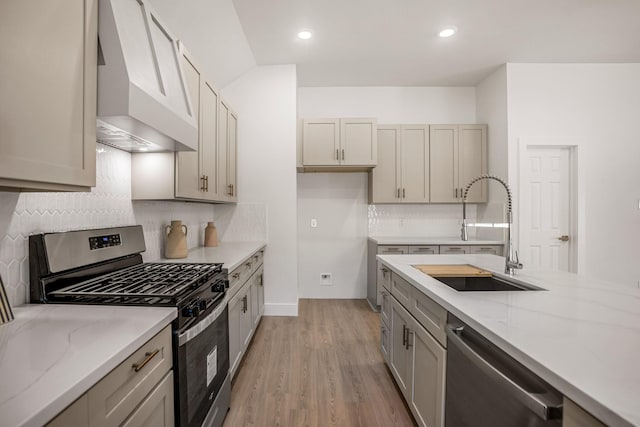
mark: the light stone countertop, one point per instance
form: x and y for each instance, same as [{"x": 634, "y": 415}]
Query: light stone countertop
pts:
[
  {"x": 581, "y": 335},
  {"x": 231, "y": 254},
  {"x": 425, "y": 240},
  {"x": 51, "y": 354}
]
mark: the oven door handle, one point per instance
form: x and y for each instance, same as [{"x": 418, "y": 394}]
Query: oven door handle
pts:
[
  {"x": 533, "y": 401},
  {"x": 199, "y": 327}
]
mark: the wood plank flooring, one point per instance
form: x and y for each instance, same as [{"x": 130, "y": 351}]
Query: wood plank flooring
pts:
[{"x": 323, "y": 368}]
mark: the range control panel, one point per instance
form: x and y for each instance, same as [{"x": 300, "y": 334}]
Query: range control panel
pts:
[{"x": 100, "y": 242}]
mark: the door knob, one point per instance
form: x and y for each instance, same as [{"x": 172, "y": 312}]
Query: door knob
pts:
[{"x": 564, "y": 238}]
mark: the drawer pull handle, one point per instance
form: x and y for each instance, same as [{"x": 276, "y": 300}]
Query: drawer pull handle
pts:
[
  {"x": 248, "y": 265},
  {"x": 236, "y": 275},
  {"x": 137, "y": 367}
]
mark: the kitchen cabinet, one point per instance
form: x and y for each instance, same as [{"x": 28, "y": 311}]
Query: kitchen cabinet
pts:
[
  {"x": 425, "y": 250},
  {"x": 454, "y": 249},
  {"x": 227, "y": 152},
  {"x": 339, "y": 142},
  {"x": 137, "y": 392},
  {"x": 458, "y": 153},
  {"x": 575, "y": 416},
  {"x": 417, "y": 362},
  {"x": 486, "y": 249},
  {"x": 246, "y": 305},
  {"x": 206, "y": 175},
  {"x": 402, "y": 173},
  {"x": 48, "y": 95}
]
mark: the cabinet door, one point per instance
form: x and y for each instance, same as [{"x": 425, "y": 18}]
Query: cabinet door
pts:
[
  {"x": 209, "y": 143},
  {"x": 428, "y": 361},
  {"x": 385, "y": 177},
  {"x": 321, "y": 142},
  {"x": 385, "y": 307},
  {"x": 157, "y": 408},
  {"x": 401, "y": 290},
  {"x": 246, "y": 321},
  {"x": 384, "y": 277},
  {"x": 76, "y": 414},
  {"x": 236, "y": 305},
  {"x": 232, "y": 157},
  {"x": 446, "y": 249},
  {"x": 473, "y": 160},
  {"x": 48, "y": 94},
  {"x": 400, "y": 358},
  {"x": 358, "y": 146},
  {"x": 255, "y": 311},
  {"x": 223, "y": 153},
  {"x": 260, "y": 294},
  {"x": 443, "y": 160},
  {"x": 415, "y": 164},
  {"x": 190, "y": 182},
  {"x": 384, "y": 342}
]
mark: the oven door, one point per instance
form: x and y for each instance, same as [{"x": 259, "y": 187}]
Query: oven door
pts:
[{"x": 202, "y": 365}]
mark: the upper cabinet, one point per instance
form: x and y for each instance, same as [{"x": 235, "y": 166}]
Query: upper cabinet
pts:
[
  {"x": 458, "y": 153},
  {"x": 402, "y": 173},
  {"x": 339, "y": 143},
  {"x": 205, "y": 175},
  {"x": 48, "y": 95}
]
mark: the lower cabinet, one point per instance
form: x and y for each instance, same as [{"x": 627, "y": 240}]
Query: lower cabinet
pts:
[
  {"x": 417, "y": 361},
  {"x": 138, "y": 392},
  {"x": 246, "y": 307}
]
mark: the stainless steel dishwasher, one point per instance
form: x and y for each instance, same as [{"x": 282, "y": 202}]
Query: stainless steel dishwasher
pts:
[{"x": 487, "y": 387}]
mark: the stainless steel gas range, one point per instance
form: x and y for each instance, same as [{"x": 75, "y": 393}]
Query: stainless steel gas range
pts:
[{"x": 104, "y": 266}]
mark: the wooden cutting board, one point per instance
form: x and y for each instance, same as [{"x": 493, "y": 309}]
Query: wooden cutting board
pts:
[{"x": 453, "y": 270}]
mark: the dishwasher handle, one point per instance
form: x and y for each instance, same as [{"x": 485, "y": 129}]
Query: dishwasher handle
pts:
[{"x": 532, "y": 401}]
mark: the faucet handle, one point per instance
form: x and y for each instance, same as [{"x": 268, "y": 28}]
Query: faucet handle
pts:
[{"x": 517, "y": 265}]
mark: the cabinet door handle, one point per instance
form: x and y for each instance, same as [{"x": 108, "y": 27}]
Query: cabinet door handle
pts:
[
  {"x": 233, "y": 189},
  {"x": 398, "y": 192},
  {"x": 343, "y": 154},
  {"x": 244, "y": 304},
  {"x": 202, "y": 188},
  {"x": 403, "y": 193},
  {"x": 409, "y": 344},
  {"x": 337, "y": 154},
  {"x": 456, "y": 193},
  {"x": 206, "y": 180},
  {"x": 404, "y": 335},
  {"x": 137, "y": 367}
]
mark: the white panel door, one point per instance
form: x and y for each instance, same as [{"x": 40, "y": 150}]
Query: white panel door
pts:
[{"x": 546, "y": 208}]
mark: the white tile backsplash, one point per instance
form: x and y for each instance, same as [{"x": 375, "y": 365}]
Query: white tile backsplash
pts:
[
  {"x": 109, "y": 204},
  {"x": 433, "y": 220}
]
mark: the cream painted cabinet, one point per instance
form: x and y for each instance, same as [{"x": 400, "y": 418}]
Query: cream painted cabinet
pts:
[
  {"x": 240, "y": 326},
  {"x": 575, "y": 416},
  {"x": 138, "y": 392},
  {"x": 402, "y": 173},
  {"x": 418, "y": 363},
  {"x": 458, "y": 153},
  {"x": 48, "y": 95},
  {"x": 196, "y": 171},
  {"x": 339, "y": 142},
  {"x": 206, "y": 175}
]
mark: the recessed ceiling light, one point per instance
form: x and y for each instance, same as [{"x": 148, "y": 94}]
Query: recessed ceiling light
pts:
[
  {"x": 304, "y": 35},
  {"x": 447, "y": 32}
]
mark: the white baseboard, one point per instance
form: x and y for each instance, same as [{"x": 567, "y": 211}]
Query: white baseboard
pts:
[{"x": 281, "y": 309}]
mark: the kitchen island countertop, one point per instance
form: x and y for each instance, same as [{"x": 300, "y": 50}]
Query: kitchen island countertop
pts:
[
  {"x": 580, "y": 334},
  {"x": 51, "y": 354}
]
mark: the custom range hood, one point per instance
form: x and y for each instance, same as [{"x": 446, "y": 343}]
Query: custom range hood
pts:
[{"x": 143, "y": 100}]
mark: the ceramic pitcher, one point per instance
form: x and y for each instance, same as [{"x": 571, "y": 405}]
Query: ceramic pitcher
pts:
[{"x": 176, "y": 241}]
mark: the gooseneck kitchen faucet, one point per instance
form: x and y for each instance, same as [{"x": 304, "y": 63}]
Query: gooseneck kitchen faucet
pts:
[{"x": 512, "y": 263}]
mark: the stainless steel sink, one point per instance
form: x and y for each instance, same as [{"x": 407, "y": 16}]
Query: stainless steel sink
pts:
[{"x": 483, "y": 284}]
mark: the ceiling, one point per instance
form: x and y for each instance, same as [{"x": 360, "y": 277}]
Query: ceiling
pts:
[{"x": 395, "y": 42}]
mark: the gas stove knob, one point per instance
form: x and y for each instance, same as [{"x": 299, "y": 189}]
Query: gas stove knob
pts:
[
  {"x": 187, "y": 312},
  {"x": 202, "y": 305},
  {"x": 196, "y": 311},
  {"x": 218, "y": 286}
]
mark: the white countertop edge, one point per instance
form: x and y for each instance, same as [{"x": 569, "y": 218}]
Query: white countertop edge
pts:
[
  {"x": 230, "y": 254},
  {"x": 579, "y": 396},
  {"x": 51, "y": 409},
  {"x": 425, "y": 240}
]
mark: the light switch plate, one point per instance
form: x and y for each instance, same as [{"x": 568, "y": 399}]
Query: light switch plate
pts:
[{"x": 314, "y": 223}]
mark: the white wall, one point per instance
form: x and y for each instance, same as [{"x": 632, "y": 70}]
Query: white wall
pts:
[
  {"x": 491, "y": 108},
  {"x": 211, "y": 31},
  {"x": 593, "y": 106},
  {"x": 338, "y": 244},
  {"x": 265, "y": 100},
  {"x": 323, "y": 196}
]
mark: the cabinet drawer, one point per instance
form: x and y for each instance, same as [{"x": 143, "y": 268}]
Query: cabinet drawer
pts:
[
  {"x": 386, "y": 249},
  {"x": 116, "y": 396},
  {"x": 424, "y": 250},
  {"x": 157, "y": 408},
  {"x": 492, "y": 249},
  {"x": 458, "y": 249},
  {"x": 430, "y": 315},
  {"x": 384, "y": 276},
  {"x": 385, "y": 307},
  {"x": 384, "y": 342},
  {"x": 401, "y": 289},
  {"x": 258, "y": 258},
  {"x": 240, "y": 275}
]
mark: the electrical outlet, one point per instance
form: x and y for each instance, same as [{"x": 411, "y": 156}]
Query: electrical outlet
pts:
[
  {"x": 314, "y": 223},
  {"x": 325, "y": 279}
]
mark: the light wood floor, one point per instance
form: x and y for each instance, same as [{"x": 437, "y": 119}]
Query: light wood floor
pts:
[{"x": 323, "y": 368}]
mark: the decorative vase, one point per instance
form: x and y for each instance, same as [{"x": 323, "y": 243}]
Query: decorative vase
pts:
[
  {"x": 210, "y": 235},
  {"x": 176, "y": 242}
]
